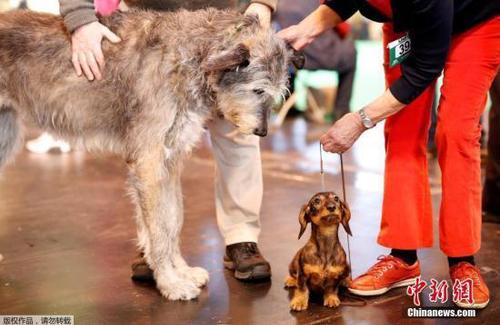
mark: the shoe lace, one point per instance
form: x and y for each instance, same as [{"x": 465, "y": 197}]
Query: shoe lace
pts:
[
  {"x": 386, "y": 262},
  {"x": 467, "y": 270},
  {"x": 248, "y": 250}
]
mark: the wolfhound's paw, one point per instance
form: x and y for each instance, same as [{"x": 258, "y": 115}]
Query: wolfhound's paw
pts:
[
  {"x": 181, "y": 289},
  {"x": 196, "y": 274}
]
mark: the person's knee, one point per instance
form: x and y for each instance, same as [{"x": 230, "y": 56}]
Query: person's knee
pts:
[{"x": 457, "y": 136}]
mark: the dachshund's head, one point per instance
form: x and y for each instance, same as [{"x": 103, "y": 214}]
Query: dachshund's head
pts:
[{"x": 325, "y": 209}]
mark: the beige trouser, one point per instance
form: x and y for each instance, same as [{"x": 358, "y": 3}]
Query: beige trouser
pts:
[{"x": 238, "y": 182}]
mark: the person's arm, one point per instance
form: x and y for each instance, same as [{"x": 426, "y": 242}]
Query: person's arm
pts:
[
  {"x": 430, "y": 41},
  {"x": 86, "y": 37},
  {"x": 77, "y": 13},
  {"x": 272, "y": 4},
  {"x": 305, "y": 32},
  {"x": 263, "y": 9}
]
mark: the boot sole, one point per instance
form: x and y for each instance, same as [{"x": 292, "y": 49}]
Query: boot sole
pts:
[
  {"x": 260, "y": 272},
  {"x": 376, "y": 292}
]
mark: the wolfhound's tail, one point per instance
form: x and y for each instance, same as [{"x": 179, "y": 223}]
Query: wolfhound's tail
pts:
[{"x": 9, "y": 133}]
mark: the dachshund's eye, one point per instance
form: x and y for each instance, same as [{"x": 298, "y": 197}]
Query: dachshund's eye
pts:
[
  {"x": 336, "y": 198},
  {"x": 317, "y": 200}
]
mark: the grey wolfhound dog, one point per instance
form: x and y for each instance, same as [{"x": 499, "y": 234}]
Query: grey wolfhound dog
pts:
[{"x": 169, "y": 75}]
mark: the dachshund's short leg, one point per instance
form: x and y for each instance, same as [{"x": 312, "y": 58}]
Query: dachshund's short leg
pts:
[
  {"x": 300, "y": 299},
  {"x": 290, "y": 282},
  {"x": 331, "y": 298},
  {"x": 293, "y": 269}
]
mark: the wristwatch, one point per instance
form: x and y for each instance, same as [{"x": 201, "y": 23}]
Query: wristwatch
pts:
[{"x": 367, "y": 122}]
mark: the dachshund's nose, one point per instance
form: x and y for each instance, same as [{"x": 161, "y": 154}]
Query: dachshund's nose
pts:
[{"x": 331, "y": 206}]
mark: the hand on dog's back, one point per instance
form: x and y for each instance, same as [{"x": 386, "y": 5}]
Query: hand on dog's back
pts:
[{"x": 87, "y": 56}]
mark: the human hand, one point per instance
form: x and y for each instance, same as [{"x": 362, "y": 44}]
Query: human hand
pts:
[
  {"x": 262, "y": 11},
  {"x": 87, "y": 55},
  {"x": 342, "y": 135},
  {"x": 305, "y": 32},
  {"x": 297, "y": 36}
]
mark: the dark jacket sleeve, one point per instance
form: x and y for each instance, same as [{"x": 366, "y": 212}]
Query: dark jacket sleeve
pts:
[
  {"x": 344, "y": 8},
  {"x": 430, "y": 34}
]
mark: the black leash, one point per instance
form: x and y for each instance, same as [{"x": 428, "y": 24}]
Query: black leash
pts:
[
  {"x": 355, "y": 300},
  {"x": 323, "y": 188}
]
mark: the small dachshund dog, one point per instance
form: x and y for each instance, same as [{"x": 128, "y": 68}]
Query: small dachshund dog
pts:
[{"x": 321, "y": 265}]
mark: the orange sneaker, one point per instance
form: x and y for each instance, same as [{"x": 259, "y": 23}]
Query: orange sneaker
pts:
[
  {"x": 390, "y": 272},
  {"x": 480, "y": 293}
]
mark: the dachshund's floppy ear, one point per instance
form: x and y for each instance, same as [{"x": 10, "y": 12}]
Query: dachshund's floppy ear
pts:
[
  {"x": 304, "y": 219},
  {"x": 346, "y": 217},
  {"x": 227, "y": 59}
]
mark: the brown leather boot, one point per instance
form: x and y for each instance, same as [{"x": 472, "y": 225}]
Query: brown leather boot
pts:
[
  {"x": 247, "y": 262},
  {"x": 141, "y": 271}
]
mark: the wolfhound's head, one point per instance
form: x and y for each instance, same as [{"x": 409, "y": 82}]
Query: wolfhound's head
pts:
[{"x": 248, "y": 75}]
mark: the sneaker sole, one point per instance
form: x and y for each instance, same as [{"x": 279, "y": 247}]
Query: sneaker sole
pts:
[
  {"x": 260, "y": 272},
  {"x": 472, "y": 306},
  {"x": 377, "y": 292}
]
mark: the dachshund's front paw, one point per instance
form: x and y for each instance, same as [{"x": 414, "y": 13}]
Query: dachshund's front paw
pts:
[
  {"x": 299, "y": 303},
  {"x": 290, "y": 282},
  {"x": 331, "y": 301}
]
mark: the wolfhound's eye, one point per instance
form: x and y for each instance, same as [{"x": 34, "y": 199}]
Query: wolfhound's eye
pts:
[
  {"x": 258, "y": 91},
  {"x": 244, "y": 64}
]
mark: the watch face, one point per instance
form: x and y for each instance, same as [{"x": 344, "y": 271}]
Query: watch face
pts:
[{"x": 367, "y": 123}]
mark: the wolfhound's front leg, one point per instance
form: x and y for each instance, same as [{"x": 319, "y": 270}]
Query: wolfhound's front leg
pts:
[
  {"x": 197, "y": 274},
  {"x": 155, "y": 181}
]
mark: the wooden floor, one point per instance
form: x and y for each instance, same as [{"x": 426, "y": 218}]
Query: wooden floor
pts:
[{"x": 67, "y": 239}]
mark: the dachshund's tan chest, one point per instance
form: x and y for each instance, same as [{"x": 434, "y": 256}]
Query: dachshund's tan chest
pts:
[{"x": 319, "y": 275}]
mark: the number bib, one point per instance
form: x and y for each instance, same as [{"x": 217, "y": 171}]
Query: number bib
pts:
[{"x": 399, "y": 50}]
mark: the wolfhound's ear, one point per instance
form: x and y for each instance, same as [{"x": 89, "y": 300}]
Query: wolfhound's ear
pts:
[
  {"x": 227, "y": 59},
  {"x": 304, "y": 219},
  {"x": 297, "y": 58}
]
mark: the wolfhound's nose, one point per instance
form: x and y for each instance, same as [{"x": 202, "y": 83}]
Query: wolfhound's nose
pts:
[{"x": 261, "y": 132}]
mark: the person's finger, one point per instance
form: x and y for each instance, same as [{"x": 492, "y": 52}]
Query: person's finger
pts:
[
  {"x": 76, "y": 64},
  {"x": 326, "y": 142},
  {"x": 85, "y": 67},
  {"x": 112, "y": 37},
  {"x": 99, "y": 56},
  {"x": 93, "y": 65},
  {"x": 328, "y": 148}
]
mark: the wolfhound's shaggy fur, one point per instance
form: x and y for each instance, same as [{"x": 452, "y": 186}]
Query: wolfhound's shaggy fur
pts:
[{"x": 171, "y": 73}]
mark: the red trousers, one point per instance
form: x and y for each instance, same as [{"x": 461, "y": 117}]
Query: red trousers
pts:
[{"x": 470, "y": 68}]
